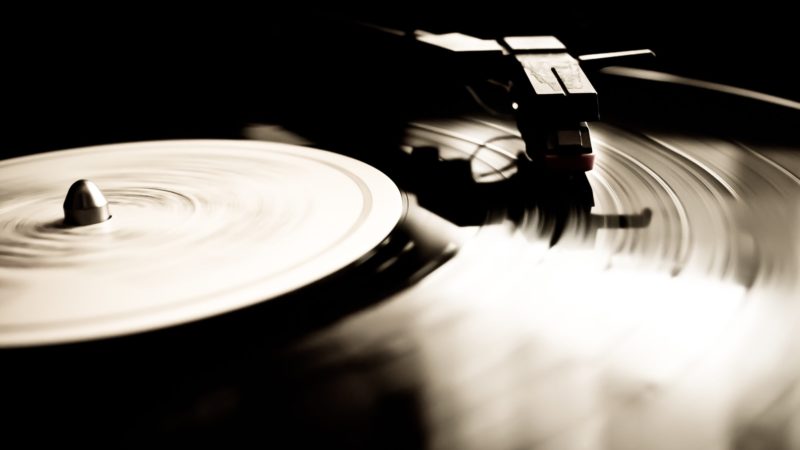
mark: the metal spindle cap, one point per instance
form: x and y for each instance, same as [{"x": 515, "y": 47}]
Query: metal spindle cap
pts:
[{"x": 85, "y": 204}]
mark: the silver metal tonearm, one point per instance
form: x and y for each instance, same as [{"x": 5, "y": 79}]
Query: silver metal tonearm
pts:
[{"x": 552, "y": 97}]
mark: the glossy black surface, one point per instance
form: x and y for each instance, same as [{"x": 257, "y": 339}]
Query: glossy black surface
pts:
[{"x": 522, "y": 316}]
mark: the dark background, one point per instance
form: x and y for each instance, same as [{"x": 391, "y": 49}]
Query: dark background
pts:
[
  {"x": 79, "y": 77},
  {"x": 72, "y": 78}
]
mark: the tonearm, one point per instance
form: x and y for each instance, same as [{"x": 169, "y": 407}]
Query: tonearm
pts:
[{"x": 548, "y": 90}]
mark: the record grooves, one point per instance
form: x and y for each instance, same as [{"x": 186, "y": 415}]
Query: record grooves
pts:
[{"x": 369, "y": 275}]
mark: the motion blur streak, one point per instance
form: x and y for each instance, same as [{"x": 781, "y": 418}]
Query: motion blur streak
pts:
[
  {"x": 652, "y": 75},
  {"x": 679, "y": 335}
]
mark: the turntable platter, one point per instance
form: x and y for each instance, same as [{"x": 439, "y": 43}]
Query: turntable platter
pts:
[{"x": 198, "y": 228}]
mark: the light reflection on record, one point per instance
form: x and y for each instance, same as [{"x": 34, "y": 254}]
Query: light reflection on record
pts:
[{"x": 198, "y": 228}]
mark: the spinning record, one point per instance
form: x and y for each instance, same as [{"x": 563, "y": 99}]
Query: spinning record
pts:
[{"x": 197, "y": 228}]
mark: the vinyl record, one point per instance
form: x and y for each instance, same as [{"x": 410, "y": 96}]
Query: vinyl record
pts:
[{"x": 197, "y": 228}]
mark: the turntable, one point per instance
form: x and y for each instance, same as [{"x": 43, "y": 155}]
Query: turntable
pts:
[{"x": 428, "y": 266}]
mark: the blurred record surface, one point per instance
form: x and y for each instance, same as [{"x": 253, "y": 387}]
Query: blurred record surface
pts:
[
  {"x": 198, "y": 228},
  {"x": 664, "y": 316}
]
